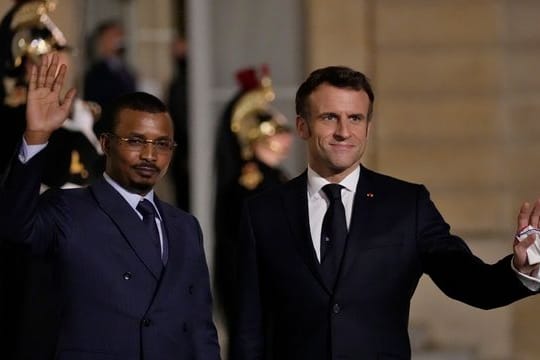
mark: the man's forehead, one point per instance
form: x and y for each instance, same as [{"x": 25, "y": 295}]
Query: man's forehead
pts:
[
  {"x": 131, "y": 118},
  {"x": 330, "y": 98}
]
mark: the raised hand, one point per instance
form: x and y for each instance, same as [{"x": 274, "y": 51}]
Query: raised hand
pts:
[
  {"x": 527, "y": 216},
  {"x": 45, "y": 110}
]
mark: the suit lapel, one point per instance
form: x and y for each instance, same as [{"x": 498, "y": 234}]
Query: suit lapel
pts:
[
  {"x": 361, "y": 220},
  {"x": 128, "y": 223},
  {"x": 296, "y": 207}
]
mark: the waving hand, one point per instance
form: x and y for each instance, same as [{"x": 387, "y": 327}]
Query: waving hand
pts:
[
  {"x": 528, "y": 215},
  {"x": 45, "y": 109}
]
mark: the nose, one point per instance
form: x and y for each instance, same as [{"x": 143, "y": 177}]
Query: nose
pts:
[
  {"x": 342, "y": 128},
  {"x": 148, "y": 152}
]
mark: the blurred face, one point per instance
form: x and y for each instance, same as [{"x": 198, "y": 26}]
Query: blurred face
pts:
[
  {"x": 137, "y": 168},
  {"x": 111, "y": 41},
  {"x": 273, "y": 150},
  {"x": 336, "y": 131}
]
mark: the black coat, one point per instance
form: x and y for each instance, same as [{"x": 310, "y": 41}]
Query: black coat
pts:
[{"x": 396, "y": 235}]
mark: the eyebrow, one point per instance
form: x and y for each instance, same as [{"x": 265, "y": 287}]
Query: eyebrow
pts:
[
  {"x": 332, "y": 113},
  {"x": 138, "y": 135},
  {"x": 328, "y": 113}
]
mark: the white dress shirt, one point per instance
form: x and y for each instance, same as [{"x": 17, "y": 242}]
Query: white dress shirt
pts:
[{"x": 318, "y": 202}]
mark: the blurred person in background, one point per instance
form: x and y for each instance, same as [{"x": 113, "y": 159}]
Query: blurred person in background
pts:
[
  {"x": 177, "y": 102},
  {"x": 109, "y": 74},
  {"x": 253, "y": 140}
]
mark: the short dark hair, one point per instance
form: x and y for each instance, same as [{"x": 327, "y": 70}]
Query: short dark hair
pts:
[
  {"x": 338, "y": 76},
  {"x": 139, "y": 101},
  {"x": 106, "y": 25}
]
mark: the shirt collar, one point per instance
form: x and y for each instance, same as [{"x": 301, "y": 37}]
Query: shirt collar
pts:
[
  {"x": 132, "y": 199},
  {"x": 316, "y": 181}
]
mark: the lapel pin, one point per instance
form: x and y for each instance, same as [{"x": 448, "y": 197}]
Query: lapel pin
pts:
[{"x": 370, "y": 195}]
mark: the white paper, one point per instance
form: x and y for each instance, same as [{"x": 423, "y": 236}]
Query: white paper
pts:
[{"x": 533, "y": 251}]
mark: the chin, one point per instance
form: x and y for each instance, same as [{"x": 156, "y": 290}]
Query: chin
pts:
[{"x": 143, "y": 186}]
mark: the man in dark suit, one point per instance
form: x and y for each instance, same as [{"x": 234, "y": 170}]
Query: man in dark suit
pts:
[
  {"x": 132, "y": 281},
  {"x": 331, "y": 259}
]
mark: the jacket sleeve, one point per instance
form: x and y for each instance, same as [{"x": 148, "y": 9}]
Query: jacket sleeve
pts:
[
  {"x": 456, "y": 270},
  {"x": 27, "y": 217}
]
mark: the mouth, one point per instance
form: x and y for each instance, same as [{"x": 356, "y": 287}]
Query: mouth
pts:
[
  {"x": 342, "y": 147},
  {"x": 146, "y": 170}
]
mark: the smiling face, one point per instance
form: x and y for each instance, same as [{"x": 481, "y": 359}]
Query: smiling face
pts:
[
  {"x": 138, "y": 170},
  {"x": 336, "y": 130}
]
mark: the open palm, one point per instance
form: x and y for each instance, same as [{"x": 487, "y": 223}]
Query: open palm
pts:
[{"x": 45, "y": 110}]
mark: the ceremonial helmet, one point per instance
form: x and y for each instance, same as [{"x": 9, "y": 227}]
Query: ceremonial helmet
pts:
[
  {"x": 34, "y": 32},
  {"x": 26, "y": 32},
  {"x": 253, "y": 116}
]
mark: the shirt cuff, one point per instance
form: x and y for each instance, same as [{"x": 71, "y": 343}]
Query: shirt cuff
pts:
[
  {"x": 530, "y": 282},
  {"x": 27, "y": 152}
]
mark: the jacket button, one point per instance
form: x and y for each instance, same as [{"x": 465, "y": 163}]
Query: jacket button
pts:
[
  {"x": 146, "y": 322},
  {"x": 190, "y": 289},
  {"x": 336, "y": 308},
  {"x": 127, "y": 275}
]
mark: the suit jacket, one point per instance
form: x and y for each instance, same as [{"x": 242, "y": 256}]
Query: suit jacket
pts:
[
  {"x": 396, "y": 235},
  {"x": 115, "y": 303}
]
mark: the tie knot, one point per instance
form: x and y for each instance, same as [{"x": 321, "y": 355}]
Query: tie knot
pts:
[
  {"x": 333, "y": 191},
  {"x": 146, "y": 208}
]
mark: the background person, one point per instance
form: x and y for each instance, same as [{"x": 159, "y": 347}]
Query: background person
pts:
[
  {"x": 109, "y": 75},
  {"x": 177, "y": 103},
  {"x": 253, "y": 141}
]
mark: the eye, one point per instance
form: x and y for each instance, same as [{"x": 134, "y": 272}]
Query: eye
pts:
[
  {"x": 356, "y": 118},
  {"x": 328, "y": 116},
  {"x": 135, "y": 141},
  {"x": 163, "y": 144}
]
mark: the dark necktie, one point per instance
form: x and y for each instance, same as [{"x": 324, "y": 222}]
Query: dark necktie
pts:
[
  {"x": 149, "y": 214},
  {"x": 333, "y": 234}
]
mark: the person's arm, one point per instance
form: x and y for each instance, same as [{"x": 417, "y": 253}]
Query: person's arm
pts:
[
  {"x": 247, "y": 339},
  {"x": 456, "y": 270},
  {"x": 19, "y": 193}
]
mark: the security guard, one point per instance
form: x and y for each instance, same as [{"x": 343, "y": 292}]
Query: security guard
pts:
[{"x": 253, "y": 140}]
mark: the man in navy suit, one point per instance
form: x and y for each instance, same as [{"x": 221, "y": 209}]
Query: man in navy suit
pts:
[
  {"x": 331, "y": 259},
  {"x": 125, "y": 291}
]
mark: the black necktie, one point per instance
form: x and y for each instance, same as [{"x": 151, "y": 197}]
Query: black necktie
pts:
[
  {"x": 333, "y": 234},
  {"x": 149, "y": 214}
]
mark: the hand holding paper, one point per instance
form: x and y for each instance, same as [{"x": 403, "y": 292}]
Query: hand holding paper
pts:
[{"x": 527, "y": 243}]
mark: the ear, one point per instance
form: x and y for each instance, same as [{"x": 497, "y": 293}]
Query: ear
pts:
[
  {"x": 302, "y": 127},
  {"x": 104, "y": 140},
  {"x": 368, "y": 128}
]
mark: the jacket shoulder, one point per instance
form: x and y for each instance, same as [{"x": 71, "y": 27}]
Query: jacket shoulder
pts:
[
  {"x": 389, "y": 183},
  {"x": 275, "y": 192}
]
